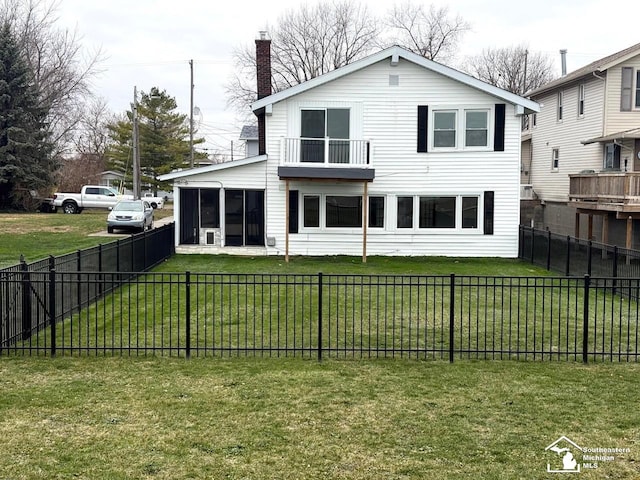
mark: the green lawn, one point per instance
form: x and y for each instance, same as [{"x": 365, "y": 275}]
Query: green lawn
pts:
[
  {"x": 38, "y": 235},
  {"x": 273, "y": 418},
  {"x": 122, "y": 418}
]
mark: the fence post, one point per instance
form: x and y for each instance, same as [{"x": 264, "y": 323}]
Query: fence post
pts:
[
  {"x": 533, "y": 241},
  {"x": 614, "y": 274},
  {"x": 452, "y": 299},
  {"x": 548, "y": 249},
  {"x": 52, "y": 308},
  {"x": 26, "y": 299},
  {"x": 589, "y": 255},
  {"x": 188, "y": 313},
  {"x": 585, "y": 320},
  {"x": 567, "y": 268},
  {"x": 320, "y": 316}
]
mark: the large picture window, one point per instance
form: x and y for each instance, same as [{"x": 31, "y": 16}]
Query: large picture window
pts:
[
  {"x": 437, "y": 212},
  {"x": 343, "y": 211}
]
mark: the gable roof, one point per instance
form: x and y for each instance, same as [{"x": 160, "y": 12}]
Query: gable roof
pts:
[
  {"x": 188, "y": 172},
  {"x": 249, "y": 132},
  {"x": 594, "y": 67},
  {"x": 395, "y": 53}
]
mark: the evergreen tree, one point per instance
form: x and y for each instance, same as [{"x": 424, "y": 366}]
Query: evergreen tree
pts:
[
  {"x": 162, "y": 139},
  {"x": 26, "y": 162}
]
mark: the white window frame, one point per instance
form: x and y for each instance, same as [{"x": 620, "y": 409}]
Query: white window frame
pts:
[
  {"x": 457, "y": 229},
  {"x": 487, "y": 111},
  {"x": 461, "y": 127},
  {"x": 581, "y": 102},
  {"x": 560, "y": 106},
  {"x": 555, "y": 159},
  {"x": 432, "y": 128}
]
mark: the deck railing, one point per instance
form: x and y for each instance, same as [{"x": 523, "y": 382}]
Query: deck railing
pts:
[
  {"x": 327, "y": 152},
  {"x": 605, "y": 187}
]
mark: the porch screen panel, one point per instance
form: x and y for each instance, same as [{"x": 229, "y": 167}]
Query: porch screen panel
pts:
[
  {"x": 312, "y": 126},
  {"x": 189, "y": 216},
  {"x": 210, "y": 208},
  {"x": 254, "y": 217}
]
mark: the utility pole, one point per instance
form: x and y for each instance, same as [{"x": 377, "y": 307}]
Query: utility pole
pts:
[
  {"x": 136, "y": 150},
  {"x": 191, "y": 118}
]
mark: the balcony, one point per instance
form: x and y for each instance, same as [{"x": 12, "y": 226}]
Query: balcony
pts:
[
  {"x": 608, "y": 191},
  {"x": 325, "y": 158}
]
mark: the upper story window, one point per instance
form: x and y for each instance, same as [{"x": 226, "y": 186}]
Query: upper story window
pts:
[
  {"x": 444, "y": 129},
  {"x": 555, "y": 159},
  {"x": 560, "y": 106},
  {"x": 581, "y": 100},
  {"x": 318, "y": 124},
  {"x": 638, "y": 89},
  {"x": 476, "y": 128},
  {"x": 626, "y": 88}
]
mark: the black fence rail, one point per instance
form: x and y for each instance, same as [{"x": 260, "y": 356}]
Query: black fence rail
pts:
[
  {"x": 353, "y": 316},
  {"x": 571, "y": 256},
  {"x": 27, "y": 301}
]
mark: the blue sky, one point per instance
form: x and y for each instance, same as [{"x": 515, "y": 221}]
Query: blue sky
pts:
[{"x": 150, "y": 42}]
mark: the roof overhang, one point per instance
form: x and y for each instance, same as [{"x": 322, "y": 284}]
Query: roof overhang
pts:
[
  {"x": 189, "y": 172},
  {"x": 396, "y": 53},
  {"x": 632, "y": 134},
  {"x": 324, "y": 173}
]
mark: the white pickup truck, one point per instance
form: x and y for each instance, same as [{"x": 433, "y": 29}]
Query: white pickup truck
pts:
[
  {"x": 155, "y": 202},
  {"x": 91, "y": 196}
]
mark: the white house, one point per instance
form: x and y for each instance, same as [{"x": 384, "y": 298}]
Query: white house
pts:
[
  {"x": 581, "y": 152},
  {"x": 249, "y": 135},
  {"x": 391, "y": 155}
]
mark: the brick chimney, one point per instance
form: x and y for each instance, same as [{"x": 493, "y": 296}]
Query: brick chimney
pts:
[{"x": 263, "y": 68}]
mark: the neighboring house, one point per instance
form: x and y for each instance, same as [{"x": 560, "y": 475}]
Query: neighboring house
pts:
[
  {"x": 249, "y": 134},
  {"x": 581, "y": 152},
  {"x": 391, "y": 155},
  {"x": 113, "y": 179}
]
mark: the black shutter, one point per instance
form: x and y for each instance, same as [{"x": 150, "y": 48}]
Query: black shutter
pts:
[
  {"x": 423, "y": 127},
  {"x": 498, "y": 135},
  {"x": 293, "y": 211},
  {"x": 488, "y": 213}
]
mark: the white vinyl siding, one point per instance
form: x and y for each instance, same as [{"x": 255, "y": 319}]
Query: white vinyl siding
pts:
[
  {"x": 617, "y": 120},
  {"x": 386, "y": 116},
  {"x": 550, "y": 185}
]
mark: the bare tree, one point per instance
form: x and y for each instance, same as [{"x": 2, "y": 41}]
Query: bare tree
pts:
[
  {"x": 428, "y": 31},
  {"x": 512, "y": 68},
  {"x": 306, "y": 43},
  {"x": 92, "y": 132},
  {"x": 78, "y": 170},
  {"x": 61, "y": 68}
]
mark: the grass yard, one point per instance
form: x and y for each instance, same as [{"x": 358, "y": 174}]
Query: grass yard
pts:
[
  {"x": 272, "y": 418},
  {"x": 122, "y": 418},
  {"x": 38, "y": 235}
]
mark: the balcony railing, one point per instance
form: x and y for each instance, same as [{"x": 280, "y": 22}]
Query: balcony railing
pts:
[
  {"x": 614, "y": 188},
  {"x": 325, "y": 152}
]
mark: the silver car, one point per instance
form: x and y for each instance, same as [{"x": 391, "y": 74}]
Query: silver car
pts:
[{"x": 130, "y": 215}]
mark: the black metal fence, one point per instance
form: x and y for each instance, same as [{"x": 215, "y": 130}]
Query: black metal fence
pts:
[
  {"x": 354, "y": 316},
  {"x": 26, "y": 296},
  {"x": 572, "y": 256}
]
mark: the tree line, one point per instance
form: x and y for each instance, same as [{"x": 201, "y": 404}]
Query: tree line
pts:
[{"x": 55, "y": 132}]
